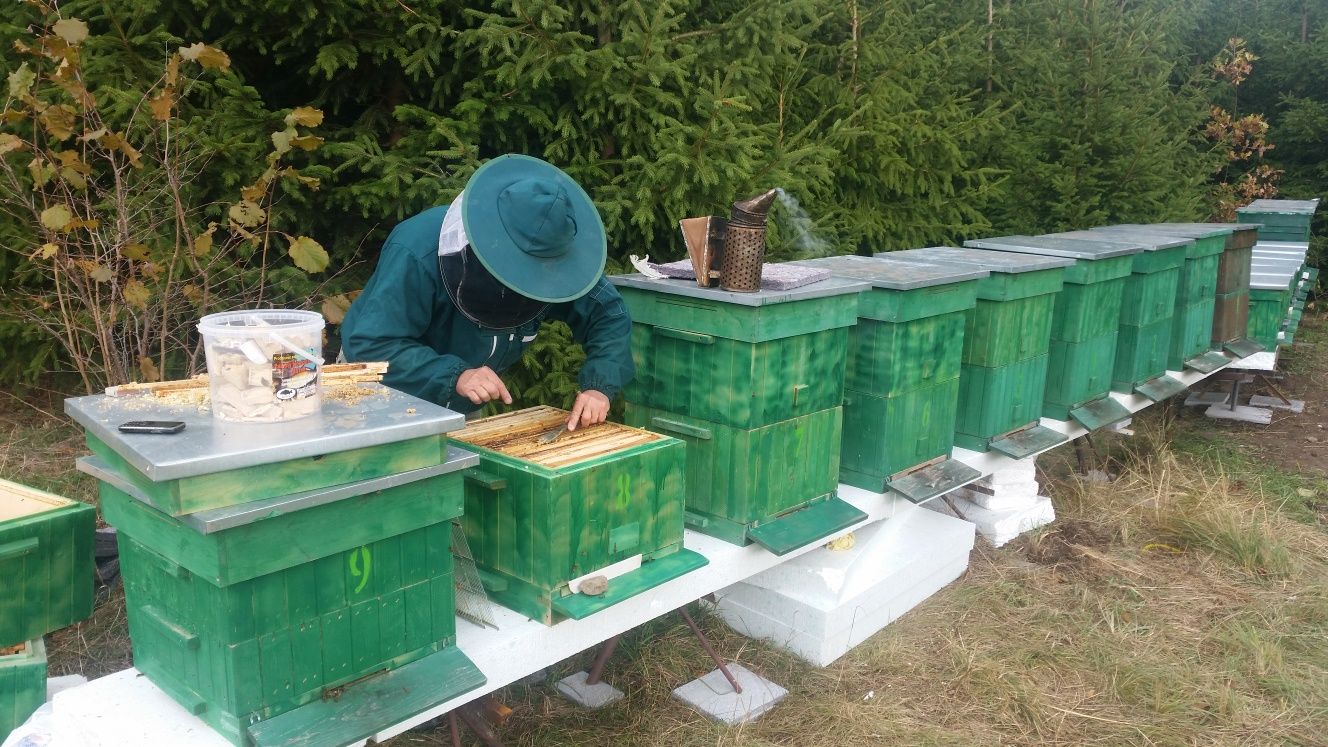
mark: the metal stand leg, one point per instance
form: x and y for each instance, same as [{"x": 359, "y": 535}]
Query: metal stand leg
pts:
[
  {"x": 1079, "y": 455},
  {"x": 470, "y": 714},
  {"x": 453, "y": 729},
  {"x": 602, "y": 658},
  {"x": 705, "y": 644}
]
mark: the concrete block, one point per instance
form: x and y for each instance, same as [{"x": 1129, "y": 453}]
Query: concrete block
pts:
[
  {"x": 1206, "y": 398},
  {"x": 713, "y": 696},
  {"x": 574, "y": 688},
  {"x": 1263, "y": 400},
  {"x": 821, "y": 605},
  {"x": 1242, "y": 413}
]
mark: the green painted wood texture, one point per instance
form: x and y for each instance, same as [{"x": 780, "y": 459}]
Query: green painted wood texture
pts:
[
  {"x": 1094, "y": 271},
  {"x": 1198, "y": 280},
  {"x": 531, "y": 529},
  {"x": 886, "y": 435},
  {"x": 1191, "y": 333},
  {"x": 22, "y": 685},
  {"x": 889, "y": 358},
  {"x": 1156, "y": 261},
  {"x": 1207, "y": 246},
  {"x": 1233, "y": 270},
  {"x": 996, "y": 400},
  {"x": 737, "y": 322},
  {"x": 241, "y": 653},
  {"x": 626, "y": 586},
  {"x": 739, "y": 477},
  {"x": 1268, "y": 308},
  {"x": 997, "y": 333},
  {"x": 1003, "y": 286},
  {"x": 886, "y": 305},
  {"x": 1278, "y": 226},
  {"x": 1141, "y": 354},
  {"x": 734, "y": 382},
  {"x": 1231, "y": 316},
  {"x": 805, "y": 525},
  {"x": 1077, "y": 373},
  {"x": 220, "y": 489},
  {"x": 283, "y": 541},
  {"x": 364, "y": 708},
  {"x": 47, "y": 571},
  {"x": 1087, "y": 311},
  {"x": 1150, "y": 296}
]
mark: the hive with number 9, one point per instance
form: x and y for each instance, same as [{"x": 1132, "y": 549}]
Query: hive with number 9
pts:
[{"x": 542, "y": 516}]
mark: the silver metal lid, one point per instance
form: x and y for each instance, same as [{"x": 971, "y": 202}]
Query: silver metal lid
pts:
[
  {"x": 208, "y": 445},
  {"x": 995, "y": 262},
  {"x": 1088, "y": 249},
  {"x": 829, "y": 287},
  {"x": 883, "y": 272}
]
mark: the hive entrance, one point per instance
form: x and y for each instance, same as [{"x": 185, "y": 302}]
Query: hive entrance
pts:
[
  {"x": 17, "y": 501},
  {"x": 517, "y": 434}
]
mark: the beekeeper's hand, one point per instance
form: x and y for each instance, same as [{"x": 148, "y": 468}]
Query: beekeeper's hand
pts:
[
  {"x": 480, "y": 385},
  {"x": 591, "y": 407}
]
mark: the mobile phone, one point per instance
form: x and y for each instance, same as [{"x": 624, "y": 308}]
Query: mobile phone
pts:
[{"x": 152, "y": 426}]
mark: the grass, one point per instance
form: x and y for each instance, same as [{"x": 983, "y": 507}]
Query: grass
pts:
[{"x": 1186, "y": 602}]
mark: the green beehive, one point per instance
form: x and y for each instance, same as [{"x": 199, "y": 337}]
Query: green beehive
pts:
[
  {"x": 45, "y": 560},
  {"x": 752, "y": 382},
  {"x": 1281, "y": 220},
  {"x": 1148, "y": 306},
  {"x": 541, "y": 516},
  {"x": 22, "y": 683},
  {"x": 1196, "y": 291},
  {"x": 292, "y": 614},
  {"x": 902, "y": 387},
  {"x": 1084, "y": 324},
  {"x": 1271, "y": 297},
  {"x": 1006, "y": 342}
]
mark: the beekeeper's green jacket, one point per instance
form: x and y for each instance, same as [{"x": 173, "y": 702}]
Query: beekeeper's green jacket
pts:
[{"x": 406, "y": 317}]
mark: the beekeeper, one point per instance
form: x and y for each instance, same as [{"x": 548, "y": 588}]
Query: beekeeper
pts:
[{"x": 460, "y": 291}]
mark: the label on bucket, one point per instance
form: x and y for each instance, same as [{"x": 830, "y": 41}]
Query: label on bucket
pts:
[{"x": 294, "y": 377}]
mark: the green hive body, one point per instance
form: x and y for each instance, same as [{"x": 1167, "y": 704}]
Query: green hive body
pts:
[
  {"x": 904, "y": 359},
  {"x": 22, "y": 685},
  {"x": 1281, "y": 220},
  {"x": 1007, "y": 337},
  {"x": 270, "y": 612},
  {"x": 538, "y": 516},
  {"x": 753, "y": 382},
  {"x": 45, "y": 561},
  {"x": 1084, "y": 323}
]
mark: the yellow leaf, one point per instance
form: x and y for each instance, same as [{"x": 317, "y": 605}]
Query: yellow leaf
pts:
[
  {"x": 10, "y": 116},
  {"x": 113, "y": 141},
  {"x": 172, "y": 70},
  {"x": 57, "y": 217},
  {"x": 308, "y": 255},
  {"x": 305, "y": 116},
  {"x": 20, "y": 81},
  {"x": 70, "y": 160},
  {"x": 48, "y": 250},
  {"x": 281, "y": 141},
  {"x": 72, "y": 30},
  {"x": 161, "y": 104},
  {"x": 334, "y": 308},
  {"x": 136, "y": 252},
  {"x": 148, "y": 369},
  {"x": 88, "y": 224},
  {"x": 10, "y": 143},
  {"x": 93, "y": 134},
  {"x": 136, "y": 294},
  {"x": 311, "y": 182},
  {"x": 307, "y": 142},
  {"x": 41, "y": 172},
  {"x": 74, "y": 179},
  {"x": 101, "y": 273},
  {"x": 247, "y": 213},
  {"x": 191, "y": 293},
  {"x": 203, "y": 241},
  {"x": 58, "y": 120},
  {"x": 209, "y": 57}
]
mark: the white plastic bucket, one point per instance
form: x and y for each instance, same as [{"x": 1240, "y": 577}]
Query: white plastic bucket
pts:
[{"x": 263, "y": 365}]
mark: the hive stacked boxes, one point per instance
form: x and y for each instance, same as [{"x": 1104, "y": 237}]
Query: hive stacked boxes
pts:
[
  {"x": 1281, "y": 220},
  {"x": 1006, "y": 343},
  {"x": 604, "y": 500},
  {"x": 1148, "y": 304},
  {"x": 753, "y": 383},
  {"x": 46, "y": 563},
  {"x": 1284, "y": 233},
  {"x": 268, "y": 566},
  {"x": 902, "y": 380},
  {"x": 1231, "y": 309},
  {"x": 1084, "y": 324}
]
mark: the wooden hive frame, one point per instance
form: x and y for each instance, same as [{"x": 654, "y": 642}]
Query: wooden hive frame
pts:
[{"x": 516, "y": 434}]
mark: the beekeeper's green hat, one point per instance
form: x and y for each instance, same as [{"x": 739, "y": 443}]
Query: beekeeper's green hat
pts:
[{"x": 534, "y": 228}]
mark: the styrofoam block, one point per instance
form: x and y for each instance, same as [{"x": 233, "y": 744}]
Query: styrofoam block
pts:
[
  {"x": 57, "y": 685},
  {"x": 826, "y": 602},
  {"x": 1003, "y": 500},
  {"x": 126, "y": 708},
  {"x": 1023, "y": 470},
  {"x": 1000, "y": 527}
]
